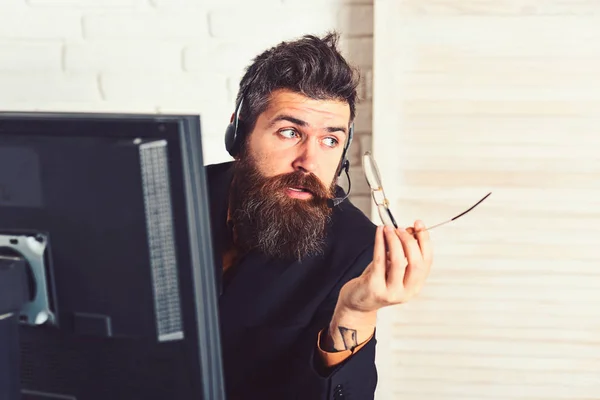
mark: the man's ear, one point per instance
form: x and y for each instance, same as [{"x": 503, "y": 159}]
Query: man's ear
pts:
[{"x": 232, "y": 117}]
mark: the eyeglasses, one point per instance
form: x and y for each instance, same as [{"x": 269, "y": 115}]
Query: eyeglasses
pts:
[{"x": 383, "y": 204}]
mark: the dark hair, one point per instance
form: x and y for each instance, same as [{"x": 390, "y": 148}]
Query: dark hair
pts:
[{"x": 310, "y": 65}]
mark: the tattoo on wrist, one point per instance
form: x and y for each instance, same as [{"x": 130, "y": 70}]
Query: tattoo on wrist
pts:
[{"x": 349, "y": 339}]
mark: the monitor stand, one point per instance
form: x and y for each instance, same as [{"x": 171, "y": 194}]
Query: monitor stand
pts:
[
  {"x": 14, "y": 293},
  {"x": 24, "y": 299}
]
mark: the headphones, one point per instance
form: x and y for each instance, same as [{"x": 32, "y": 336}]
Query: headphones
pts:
[{"x": 236, "y": 132}]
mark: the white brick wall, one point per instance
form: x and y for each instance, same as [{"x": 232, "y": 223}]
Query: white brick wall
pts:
[
  {"x": 23, "y": 23},
  {"x": 164, "y": 55},
  {"x": 31, "y": 56},
  {"x": 85, "y": 3},
  {"x": 128, "y": 56},
  {"x": 185, "y": 24},
  {"x": 38, "y": 88}
]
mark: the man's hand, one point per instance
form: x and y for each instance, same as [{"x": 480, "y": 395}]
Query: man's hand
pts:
[{"x": 401, "y": 263}]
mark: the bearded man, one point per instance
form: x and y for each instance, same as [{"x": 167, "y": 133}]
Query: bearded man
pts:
[{"x": 302, "y": 271}]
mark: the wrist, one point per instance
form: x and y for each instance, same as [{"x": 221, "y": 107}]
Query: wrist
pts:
[
  {"x": 349, "y": 328},
  {"x": 352, "y": 315},
  {"x": 354, "y": 318}
]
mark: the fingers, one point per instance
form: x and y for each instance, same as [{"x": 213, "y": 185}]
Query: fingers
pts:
[
  {"x": 422, "y": 236},
  {"x": 379, "y": 253},
  {"x": 402, "y": 260},
  {"x": 417, "y": 269},
  {"x": 397, "y": 264},
  {"x": 410, "y": 246}
]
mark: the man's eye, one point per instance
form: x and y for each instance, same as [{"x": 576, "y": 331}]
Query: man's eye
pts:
[
  {"x": 330, "y": 142},
  {"x": 288, "y": 133}
]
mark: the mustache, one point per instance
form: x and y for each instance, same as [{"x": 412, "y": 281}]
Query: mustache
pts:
[{"x": 298, "y": 179}]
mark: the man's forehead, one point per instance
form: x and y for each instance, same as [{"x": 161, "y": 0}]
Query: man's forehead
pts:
[{"x": 288, "y": 103}]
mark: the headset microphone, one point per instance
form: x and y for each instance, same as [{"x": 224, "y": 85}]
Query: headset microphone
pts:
[{"x": 338, "y": 200}]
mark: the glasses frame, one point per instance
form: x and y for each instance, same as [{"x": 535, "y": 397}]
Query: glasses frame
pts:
[{"x": 373, "y": 177}]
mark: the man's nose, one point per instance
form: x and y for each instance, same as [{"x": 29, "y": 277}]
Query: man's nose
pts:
[{"x": 307, "y": 158}]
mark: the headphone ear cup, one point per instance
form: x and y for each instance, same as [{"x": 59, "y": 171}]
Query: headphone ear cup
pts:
[
  {"x": 345, "y": 164},
  {"x": 230, "y": 139}
]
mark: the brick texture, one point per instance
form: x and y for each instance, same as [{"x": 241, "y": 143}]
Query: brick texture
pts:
[
  {"x": 139, "y": 55},
  {"x": 269, "y": 20},
  {"x": 146, "y": 25},
  {"x": 37, "y": 87},
  {"x": 23, "y": 23},
  {"x": 173, "y": 4},
  {"x": 87, "y": 3},
  {"x": 313, "y": 3},
  {"x": 30, "y": 56}
]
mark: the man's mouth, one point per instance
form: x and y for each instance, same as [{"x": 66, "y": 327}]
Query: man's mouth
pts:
[
  {"x": 299, "y": 192},
  {"x": 299, "y": 189}
]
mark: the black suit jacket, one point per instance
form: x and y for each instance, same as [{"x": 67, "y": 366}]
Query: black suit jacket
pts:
[{"x": 271, "y": 311}]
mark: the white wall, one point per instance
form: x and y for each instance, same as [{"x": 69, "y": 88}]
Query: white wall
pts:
[
  {"x": 478, "y": 96},
  {"x": 164, "y": 56}
]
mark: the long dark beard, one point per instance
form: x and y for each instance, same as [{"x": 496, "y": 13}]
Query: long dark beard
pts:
[{"x": 266, "y": 219}]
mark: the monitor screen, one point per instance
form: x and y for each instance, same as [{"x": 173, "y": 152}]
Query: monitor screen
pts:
[{"x": 109, "y": 214}]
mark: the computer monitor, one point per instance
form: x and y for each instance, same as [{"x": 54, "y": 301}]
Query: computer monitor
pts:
[{"x": 109, "y": 216}]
